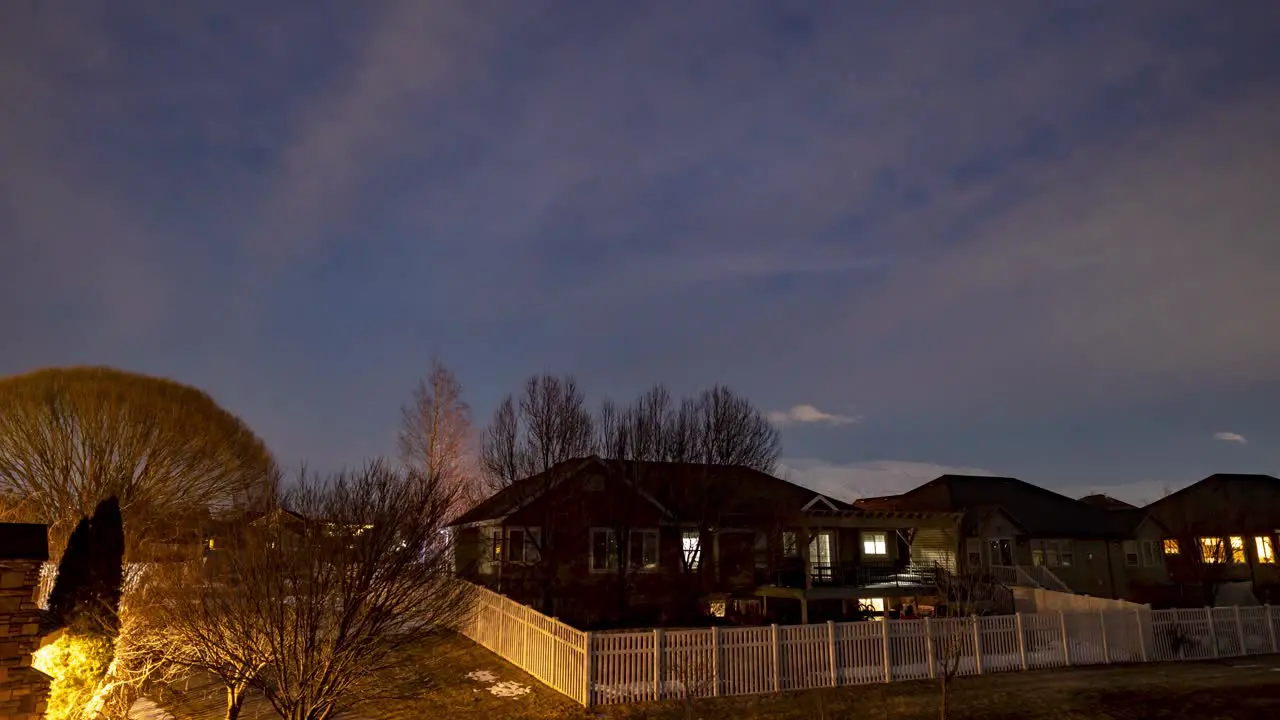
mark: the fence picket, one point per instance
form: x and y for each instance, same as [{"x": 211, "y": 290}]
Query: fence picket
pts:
[{"x": 626, "y": 667}]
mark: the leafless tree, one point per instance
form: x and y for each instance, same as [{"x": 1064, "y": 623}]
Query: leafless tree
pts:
[
  {"x": 193, "y": 619},
  {"x": 437, "y": 439},
  {"x": 525, "y": 451},
  {"x": 964, "y": 594},
  {"x": 316, "y": 606},
  {"x": 71, "y": 437}
]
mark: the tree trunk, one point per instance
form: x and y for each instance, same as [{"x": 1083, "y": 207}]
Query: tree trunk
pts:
[
  {"x": 942, "y": 698},
  {"x": 235, "y": 701}
]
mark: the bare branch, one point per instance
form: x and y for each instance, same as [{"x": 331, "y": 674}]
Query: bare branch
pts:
[{"x": 436, "y": 437}]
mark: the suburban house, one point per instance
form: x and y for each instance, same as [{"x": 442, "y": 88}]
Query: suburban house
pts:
[
  {"x": 1221, "y": 536},
  {"x": 1025, "y": 535},
  {"x": 602, "y": 542}
]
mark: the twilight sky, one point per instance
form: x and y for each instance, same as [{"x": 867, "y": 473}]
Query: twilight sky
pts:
[{"x": 1038, "y": 239}]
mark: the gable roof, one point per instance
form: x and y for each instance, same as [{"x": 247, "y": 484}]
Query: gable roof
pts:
[
  {"x": 671, "y": 486},
  {"x": 1040, "y": 512},
  {"x": 1106, "y": 502},
  {"x": 1255, "y": 480}
]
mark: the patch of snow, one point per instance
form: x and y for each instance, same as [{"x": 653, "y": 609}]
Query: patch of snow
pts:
[
  {"x": 483, "y": 676},
  {"x": 146, "y": 709},
  {"x": 509, "y": 689}
]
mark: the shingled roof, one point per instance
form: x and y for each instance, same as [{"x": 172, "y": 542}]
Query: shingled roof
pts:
[
  {"x": 1040, "y": 512},
  {"x": 670, "y": 485}
]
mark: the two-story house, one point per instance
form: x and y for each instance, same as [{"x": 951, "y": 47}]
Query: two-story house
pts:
[
  {"x": 603, "y": 542},
  {"x": 1024, "y": 534},
  {"x": 1221, "y": 540}
]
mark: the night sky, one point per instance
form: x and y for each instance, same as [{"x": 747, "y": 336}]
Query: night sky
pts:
[{"x": 1030, "y": 238}]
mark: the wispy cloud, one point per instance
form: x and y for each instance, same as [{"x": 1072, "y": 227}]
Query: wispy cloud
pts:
[
  {"x": 808, "y": 414},
  {"x": 850, "y": 481},
  {"x": 1230, "y": 437}
]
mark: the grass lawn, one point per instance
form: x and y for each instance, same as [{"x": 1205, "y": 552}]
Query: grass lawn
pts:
[{"x": 1239, "y": 689}]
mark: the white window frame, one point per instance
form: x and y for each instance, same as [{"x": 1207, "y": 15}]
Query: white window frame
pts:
[
  {"x": 691, "y": 557},
  {"x": 1152, "y": 552},
  {"x": 531, "y": 549},
  {"x": 611, "y": 549},
  {"x": 1264, "y": 549},
  {"x": 973, "y": 552},
  {"x": 869, "y": 537},
  {"x": 642, "y": 535},
  {"x": 1132, "y": 555}
]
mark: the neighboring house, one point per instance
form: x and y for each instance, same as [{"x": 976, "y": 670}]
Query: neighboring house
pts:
[
  {"x": 600, "y": 542},
  {"x": 1222, "y": 539},
  {"x": 1025, "y": 534}
]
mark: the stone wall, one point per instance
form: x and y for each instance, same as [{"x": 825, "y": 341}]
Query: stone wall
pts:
[{"x": 23, "y": 689}]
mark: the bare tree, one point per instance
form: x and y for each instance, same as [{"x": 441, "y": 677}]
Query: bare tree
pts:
[
  {"x": 525, "y": 450},
  {"x": 436, "y": 437},
  {"x": 71, "y": 437},
  {"x": 197, "y": 621},
  {"x": 964, "y": 594}
]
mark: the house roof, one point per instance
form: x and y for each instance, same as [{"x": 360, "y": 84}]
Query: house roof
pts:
[
  {"x": 1038, "y": 511},
  {"x": 24, "y": 541},
  {"x": 1258, "y": 480},
  {"x": 672, "y": 486},
  {"x": 1106, "y": 502}
]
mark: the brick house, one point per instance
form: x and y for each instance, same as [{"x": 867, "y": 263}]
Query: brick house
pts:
[
  {"x": 1221, "y": 540},
  {"x": 23, "y": 550},
  {"x": 1024, "y": 534},
  {"x": 601, "y": 542}
]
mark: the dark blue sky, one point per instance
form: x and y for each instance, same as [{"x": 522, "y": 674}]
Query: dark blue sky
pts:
[{"x": 1038, "y": 239}]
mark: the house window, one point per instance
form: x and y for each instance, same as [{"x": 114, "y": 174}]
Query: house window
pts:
[
  {"x": 1237, "y": 550},
  {"x": 1211, "y": 550},
  {"x": 644, "y": 549},
  {"x": 1131, "y": 557},
  {"x": 1266, "y": 552},
  {"x": 691, "y": 546},
  {"x": 871, "y": 604},
  {"x": 790, "y": 548},
  {"x": 875, "y": 543},
  {"x": 973, "y": 552},
  {"x": 1150, "y": 553},
  {"x": 820, "y": 549},
  {"x": 523, "y": 544},
  {"x": 604, "y": 550},
  {"x": 1051, "y": 553},
  {"x": 1065, "y": 556},
  {"x": 761, "y": 551},
  {"x": 495, "y": 545},
  {"x": 1170, "y": 546}
]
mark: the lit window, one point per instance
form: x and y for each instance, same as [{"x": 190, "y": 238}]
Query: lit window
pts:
[
  {"x": 604, "y": 550},
  {"x": 495, "y": 545},
  {"x": 875, "y": 543},
  {"x": 789, "y": 546},
  {"x": 1237, "y": 550},
  {"x": 1131, "y": 553},
  {"x": 1266, "y": 552},
  {"x": 1170, "y": 546},
  {"x": 1211, "y": 550},
  {"x": 871, "y": 604},
  {"x": 691, "y": 546},
  {"x": 644, "y": 549}
]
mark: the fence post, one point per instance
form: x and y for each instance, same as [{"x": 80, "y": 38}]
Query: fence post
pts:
[
  {"x": 884, "y": 645},
  {"x": 928, "y": 646},
  {"x": 1022, "y": 641},
  {"x": 777, "y": 665},
  {"x": 1213, "y": 631},
  {"x": 1106, "y": 649},
  {"x": 1240, "y": 631},
  {"x": 1271, "y": 629},
  {"x": 524, "y": 643},
  {"x": 977, "y": 644},
  {"x": 1142, "y": 633},
  {"x": 1066, "y": 649},
  {"x": 715, "y": 660},
  {"x": 831, "y": 652},
  {"x": 657, "y": 664},
  {"x": 587, "y": 658}
]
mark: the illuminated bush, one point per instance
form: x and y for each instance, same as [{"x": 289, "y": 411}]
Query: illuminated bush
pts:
[{"x": 77, "y": 664}]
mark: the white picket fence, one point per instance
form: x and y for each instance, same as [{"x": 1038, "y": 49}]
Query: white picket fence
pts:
[{"x": 629, "y": 667}]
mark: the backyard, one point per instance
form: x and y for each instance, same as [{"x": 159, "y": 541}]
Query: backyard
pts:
[{"x": 467, "y": 682}]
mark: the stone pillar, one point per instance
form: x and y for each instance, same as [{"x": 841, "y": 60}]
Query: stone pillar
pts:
[{"x": 23, "y": 689}]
